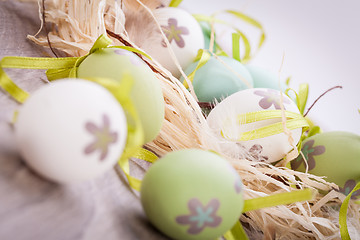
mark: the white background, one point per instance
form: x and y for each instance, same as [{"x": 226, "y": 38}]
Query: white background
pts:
[{"x": 320, "y": 40}]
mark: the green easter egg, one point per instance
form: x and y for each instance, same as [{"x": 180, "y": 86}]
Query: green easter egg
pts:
[
  {"x": 192, "y": 194},
  {"x": 146, "y": 94},
  {"x": 215, "y": 80},
  {"x": 264, "y": 78},
  {"x": 335, "y": 155},
  {"x": 206, "y": 29}
]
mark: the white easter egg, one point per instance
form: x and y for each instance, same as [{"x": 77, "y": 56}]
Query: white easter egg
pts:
[
  {"x": 184, "y": 34},
  {"x": 71, "y": 130},
  {"x": 223, "y": 120}
]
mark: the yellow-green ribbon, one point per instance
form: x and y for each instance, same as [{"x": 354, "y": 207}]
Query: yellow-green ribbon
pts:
[
  {"x": 238, "y": 233},
  {"x": 202, "y": 57},
  {"x": 277, "y": 199},
  {"x": 10, "y": 87},
  {"x": 301, "y": 101},
  {"x": 139, "y": 153},
  {"x": 301, "y": 97},
  {"x": 247, "y": 46},
  {"x": 343, "y": 213},
  {"x": 57, "y": 68},
  {"x": 175, "y": 3},
  {"x": 253, "y": 23},
  {"x": 146, "y": 155},
  {"x": 294, "y": 121},
  {"x": 236, "y": 46}
]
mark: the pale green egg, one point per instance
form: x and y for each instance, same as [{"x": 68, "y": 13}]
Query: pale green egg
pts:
[
  {"x": 146, "y": 94},
  {"x": 264, "y": 78},
  {"x": 219, "y": 78},
  {"x": 335, "y": 155},
  {"x": 192, "y": 194},
  {"x": 206, "y": 29}
]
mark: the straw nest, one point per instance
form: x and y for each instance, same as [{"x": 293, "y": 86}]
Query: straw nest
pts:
[{"x": 75, "y": 25}]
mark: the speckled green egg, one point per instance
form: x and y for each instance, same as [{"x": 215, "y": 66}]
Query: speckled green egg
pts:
[
  {"x": 192, "y": 194},
  {"x": 146, "y": 94},
  {"x": 215, "y": 80},
  {"x": 264, "y": 78},
  {"x": 335, "y": 155}
]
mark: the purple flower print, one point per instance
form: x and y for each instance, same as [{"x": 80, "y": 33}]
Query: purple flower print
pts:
[
  {"x": 200, "y": 216},
  {"x": 135, "y": 60},
  {"x": 348, "y": 187},
  {"x": 270, "y": 97},
  {"x": 255, "y": 152},
  {"x": 173, "y": 32},
  {"x": 103, "y": 137},
  {"x": 309, "y": 152}
]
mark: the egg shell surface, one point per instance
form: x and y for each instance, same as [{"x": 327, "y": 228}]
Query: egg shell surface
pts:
[
  {"x": 215, "y": 80},
  {"x": 264, "y": 78},
  {"x": 146, "y": 94},
  {"x": 335, "y": 155},
  {"x": 192, "y": 194},
  {"x": 71, "y": 130},
  {"x": 206, "y": 29},
  {"x": 184, "y": 34},
  {"x": 223, "y": 120}
]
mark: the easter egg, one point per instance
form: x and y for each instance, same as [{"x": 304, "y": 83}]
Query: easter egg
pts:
[
  {"x": 223, "y": 120},
  {"x": 206, "y": 29},
  {"x": 192, "y": 194},
  {"x": 219, "y": 78},
  {"x": 146, "y": 94},
  {"x": 71, "y": 130},
  {"x": 185, "y": 37},
  {"x": 264, "y": 78},
  {"x": 335, "y": 155}
]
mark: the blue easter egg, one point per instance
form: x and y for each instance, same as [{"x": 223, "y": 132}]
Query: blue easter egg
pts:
[
  {"x": 219, "y": 78},
  {"x": 264, "y": 78}
]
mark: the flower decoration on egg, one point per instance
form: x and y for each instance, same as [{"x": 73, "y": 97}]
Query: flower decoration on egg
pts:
[
  {"x": 255, "y": 153},
  {"x": 309, "y": 151},
  {"x": 270, "y": 97},
  {"x": 200, "y": 216},
  {"x": 348, "y": 187},
  {"x": 103, "y": 137},
  {"x": 173, "y": 32}
]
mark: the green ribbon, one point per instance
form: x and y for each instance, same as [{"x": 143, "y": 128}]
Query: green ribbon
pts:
[
  {"x": 236, "y": 46},
  {"x": 139, "y": 153},
  {"x": 57, "y": 68},
  {"x": 278, "y": 199},
  {"x": 175, "y": 3},
  {"x": 301, "y": 96},
  {"x": 343, "y": 213},
  {"x": 238, "y": 233},
  {"x": 301, "y": 101},
  {"x": 247, "y": 46},
  {"x": 294, "y": 121},
  {"x": 10, "y": 87},
  {"x": 202, "y": 57}
]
